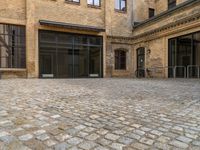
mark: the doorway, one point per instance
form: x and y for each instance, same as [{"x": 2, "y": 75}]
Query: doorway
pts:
[{"x": 140, "y": 73}]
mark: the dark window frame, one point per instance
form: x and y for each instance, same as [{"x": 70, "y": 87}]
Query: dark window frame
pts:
[
  {"x": 72, "y": 2},
  {"x": 12, "y": 46},
  {"x": 171, "y": 4},
  {"x": 120, "y": 9},
  {"x": 151, "y": 12},
  {"x": 93, "y": 4},
  {"x": 120, "y": 59}
]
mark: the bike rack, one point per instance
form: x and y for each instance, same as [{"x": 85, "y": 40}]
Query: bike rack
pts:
[
  {"x": 193, "y": 66},
  {"x": 175, "y": 69}
]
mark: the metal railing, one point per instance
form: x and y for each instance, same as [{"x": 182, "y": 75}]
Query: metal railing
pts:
[
  {"x": 175, "y": 71},
  {"x": 152, "y": 72},
  {"x": 193, "y": 67}
]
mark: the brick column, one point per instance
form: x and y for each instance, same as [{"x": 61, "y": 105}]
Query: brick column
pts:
[{"x": 30, "y": 40}]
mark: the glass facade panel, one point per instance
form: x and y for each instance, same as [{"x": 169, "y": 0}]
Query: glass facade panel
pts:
[
  {"x": 184, "y": 53},
  {"x": 70, "y": 55},
  {"x": 95, "y": 61},
  {"x": 12, "y": 46}
]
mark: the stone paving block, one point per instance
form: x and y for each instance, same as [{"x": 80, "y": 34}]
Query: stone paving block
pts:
[
  {"x": 26, "y": 137},
  {"x": 156, "y": 132},
  {"x": 139, "y": 146},
  {"x": 3, "y": 133},
  {"x": 43, "y": 137},
  {"x": 87, "y": 145},
  {"x": 125, "y": 140},
  {"x": 184, "y": 139},
  {"x": 117, "y": 146},
  {"x": 50, "y": 143},
  {"x": 147, "y": 141},
  {"x": 104, "y": 142},
  {"x": 179, "y": 144},
  {"x": 7, "y": 139},
  {"x": 39, "y": 132},
  {"x": 162, "y": 146},
  {"x": 102, "y": 131},
  {"x": 82, "y": 134},
  {"x": 62, "y": 146},
  {"x": 74, "y": 141},
  {"x": 163, "y": 139},
  {"x": 101, "y": 148},
  {"x": 139, "y": 132},
  {"x": 196, "y": 143},
  {"x": 92, "y": 137},
  {"x": 133, "y": 136},
  {"x": 112, "y": 137},
  {"x": 80, "y": 127},
  {"x": 62, "y": 137}
]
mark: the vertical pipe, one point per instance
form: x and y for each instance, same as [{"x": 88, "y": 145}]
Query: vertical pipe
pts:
[
  {"x": 174, "y": 72},
  {"x": 185, "y": 72}
]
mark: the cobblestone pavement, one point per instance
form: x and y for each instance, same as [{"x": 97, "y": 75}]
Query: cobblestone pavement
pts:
[{"x": 99, "y": 114}]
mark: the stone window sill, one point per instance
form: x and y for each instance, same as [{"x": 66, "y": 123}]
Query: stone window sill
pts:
[
  {"x": 121, "y": 11},
  {"x": 73, "y": 3},
  {"x": 94, "y": 6}
]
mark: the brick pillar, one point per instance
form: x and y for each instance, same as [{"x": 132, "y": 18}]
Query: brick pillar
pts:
[{"x": 30, "y": 40}]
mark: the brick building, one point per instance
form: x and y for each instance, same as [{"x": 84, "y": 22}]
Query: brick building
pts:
[{"x": 99, "y": 38}]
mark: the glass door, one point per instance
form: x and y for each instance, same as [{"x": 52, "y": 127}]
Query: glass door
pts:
[{"x": 141, "y": 62}]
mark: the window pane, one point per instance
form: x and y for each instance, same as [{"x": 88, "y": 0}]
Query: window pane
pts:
[
  {"x": 120, "y": 60},
  {"x": 90, "y": 2},
  {"x": 12, "y": 46},
  {"x": 97, "y": 2},
  {"x": 123, "y": 5},
  {"x": 117, "y": 4}
]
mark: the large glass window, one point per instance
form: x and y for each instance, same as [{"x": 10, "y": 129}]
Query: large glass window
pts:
[
  {"x": 184, "y": 52},
  {"x": 120, "y": 5},
  {"x": 120, "y": 60},
  {"x": 12, "y": 46},
  {"x": 94, "y": 2},
  {"x": 64, "y": 55}
]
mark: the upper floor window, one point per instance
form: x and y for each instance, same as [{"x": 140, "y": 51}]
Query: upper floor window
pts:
[
  {"x": 73, "y": 1},
  {"x": 12, "y": 46},
  {"x": 151, "y": 12},
  {"x": 120, "y": 60},
  {"x": 94, "y": 2},
  {"x": 171, "y": 4},
  {"x": 120, "y": 5}
]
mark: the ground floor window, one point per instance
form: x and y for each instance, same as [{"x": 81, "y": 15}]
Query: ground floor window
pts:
[
  {"x": 184, "y": 52},
  {"x": 120, "y": 59},
  {"x": 12, "y": 46},
  {"x": 64, "y": 55}
]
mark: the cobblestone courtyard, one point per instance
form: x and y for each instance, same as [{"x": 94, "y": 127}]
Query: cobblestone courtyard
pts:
[{"x": 99, "y": 114}]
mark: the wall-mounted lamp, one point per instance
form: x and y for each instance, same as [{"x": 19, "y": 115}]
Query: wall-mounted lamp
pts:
[{"x": 148, "y": 51}]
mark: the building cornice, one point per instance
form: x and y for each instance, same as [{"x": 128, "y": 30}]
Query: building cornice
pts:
[
  {"x": 186, "y": 20},
  {"x": 162, "y": 15}
]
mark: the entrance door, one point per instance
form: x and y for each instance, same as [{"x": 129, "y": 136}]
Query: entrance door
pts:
[
  {"x": 46, "y": 65},
  {"x": 140, "y": 62}
]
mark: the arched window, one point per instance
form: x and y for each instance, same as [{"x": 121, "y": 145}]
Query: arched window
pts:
[{"x": 120, "y": 59}]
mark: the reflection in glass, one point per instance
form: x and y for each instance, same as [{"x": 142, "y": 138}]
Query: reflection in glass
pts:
[
  {"x": 95, "y": 61},
  {"x": 184, "y": 52}
]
